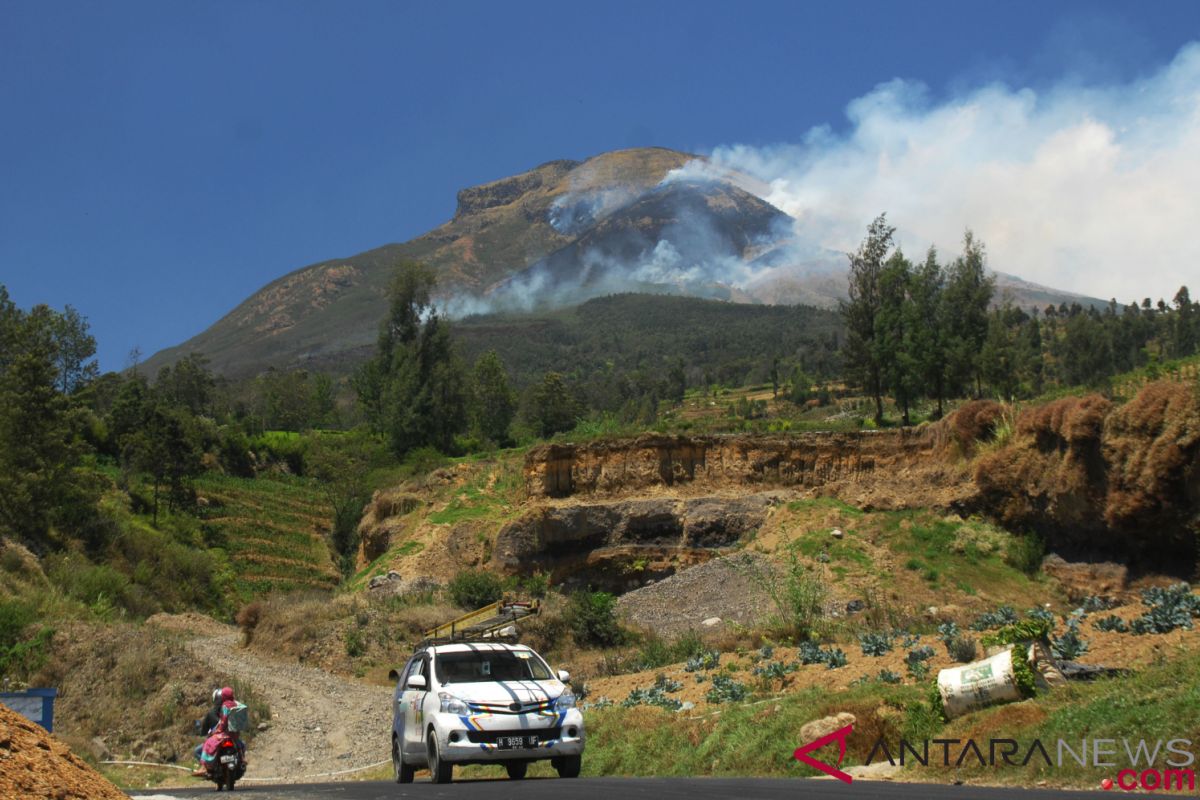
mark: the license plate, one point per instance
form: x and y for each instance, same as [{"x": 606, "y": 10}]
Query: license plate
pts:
[
  {"x": 516, "y": 742},
  {"x": 228, "y": 759}
]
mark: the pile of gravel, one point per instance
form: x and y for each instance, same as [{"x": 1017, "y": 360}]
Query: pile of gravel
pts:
[{"x": 722, "y": 588}]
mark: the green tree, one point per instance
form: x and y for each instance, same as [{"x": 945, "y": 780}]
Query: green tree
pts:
[
  {"x": 860, "y": 311},
  {"x": 928, "y": 335},
  {"x": 967, "y": 296},
  {"x": 167, "y": 450},
  {"x": 895, "y": 325},
  {"x": 39, "y": 446},
  {"x": 493, "y": 402},
  {"x": 342, "y": 463},
  {"x": 76, "y": 351},
  {"x": 550, "y": 407},
  {"x": 1185, "y": 332},
  {"x": 414, "y": 390},
  {"x": 188, "y": 385}
]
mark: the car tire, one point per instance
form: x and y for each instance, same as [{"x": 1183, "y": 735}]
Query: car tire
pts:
[
  {"x": 568, "y": 766},
  {"x": 404, "y": 772},
  {"x": 439, "y": 771},
  {"x": 516, "y": 770}
]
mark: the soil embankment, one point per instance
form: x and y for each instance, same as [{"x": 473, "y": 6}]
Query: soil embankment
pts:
[{"x": 34, "y": 764}]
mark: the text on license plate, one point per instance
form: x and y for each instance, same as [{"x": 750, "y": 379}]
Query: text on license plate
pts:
[
  {"x": 512, "y": 742},
  {"x": 228, "y": 759}
]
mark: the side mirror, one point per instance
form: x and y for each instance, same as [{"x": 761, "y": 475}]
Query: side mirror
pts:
[
  {"x": 416, "y": 681},
  {"x": 564, "y": 676},
  {"x": 393, "y": 676}
]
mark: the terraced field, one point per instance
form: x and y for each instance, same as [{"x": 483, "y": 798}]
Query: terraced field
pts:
[{"x": 274, "y": 530}]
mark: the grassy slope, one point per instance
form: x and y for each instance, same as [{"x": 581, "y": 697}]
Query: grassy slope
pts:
[{"x": 274, "y": 530}]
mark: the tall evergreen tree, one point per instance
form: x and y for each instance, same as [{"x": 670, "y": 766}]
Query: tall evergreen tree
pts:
[
  {"x": 968, "y": 293},
  {"x": 894, "y": 328},
  {"x": 928, "y": 335},
  {"x": 493, "y": 402},
  {"x": 863, "y": 307},
  {"x": 414, "y": 390},
  {"x": 39, "y": 446}
]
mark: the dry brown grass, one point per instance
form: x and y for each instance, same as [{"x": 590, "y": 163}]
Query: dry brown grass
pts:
[
  {"x": 1069, "y": 420},
  {"x": 1152, "y": 444},
  {"x": 975, "y": 422},
  {"x": 1088, "y": 474}
]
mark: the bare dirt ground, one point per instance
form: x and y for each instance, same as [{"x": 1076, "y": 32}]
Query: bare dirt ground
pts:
[
  {"x": 320, "y": 723},
  {"x": 34, "y": 764}
]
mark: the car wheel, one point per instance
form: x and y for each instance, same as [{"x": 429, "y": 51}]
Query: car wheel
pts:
[
  {"x": 440, "y": 771},
  {"x": 516, "y": 770},
  {"x": 404, "y": 773},
  {"x": 568, "y": 766}
]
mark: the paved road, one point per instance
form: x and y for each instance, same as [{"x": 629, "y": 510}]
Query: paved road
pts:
[{"x": 632, "y": 788}]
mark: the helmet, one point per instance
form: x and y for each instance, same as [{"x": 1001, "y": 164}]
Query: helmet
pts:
[
  {"x": 216, "y": 695},
  {"x": 227, "y": 693}
]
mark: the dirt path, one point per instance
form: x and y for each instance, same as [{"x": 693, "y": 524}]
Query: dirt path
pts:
[{"x": 320, "y": 723}]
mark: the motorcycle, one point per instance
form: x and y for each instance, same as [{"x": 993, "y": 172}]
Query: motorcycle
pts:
[{"x": 228, "y": 766}]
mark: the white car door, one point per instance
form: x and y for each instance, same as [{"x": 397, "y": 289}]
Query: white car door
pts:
[{"x": 414, "y": 708}]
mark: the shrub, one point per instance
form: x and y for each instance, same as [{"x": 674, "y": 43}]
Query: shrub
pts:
[
  {"x": 536, "y": 584},
  {"x": 248, "y": 617},
  {"x": 887, "y": 676},
  {"x": 1023, "y": 673},
  {"x": 947, "y": 632},
  {"x": 592, "y": 619},
  {"x": 655, "y": 652},
  {"x": 1025, "y": 553},
  {"x": 356, "y": 643},
  {"x": 1043, "y": 614},
  {"x": 472, "y": 589},
  {"x": 1112, "y": 623},
  {"x": 1027, "y": 630},
  {"x": 20, "y": 653},
  {"x": 962, "y": 649},
  {"x": 797, "y": 592}
]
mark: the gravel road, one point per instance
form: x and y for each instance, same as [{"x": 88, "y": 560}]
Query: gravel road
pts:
[{"x": 320, "y": 723}]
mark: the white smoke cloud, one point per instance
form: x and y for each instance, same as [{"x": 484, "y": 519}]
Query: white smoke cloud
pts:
[{"x": 1092, "y": 189}]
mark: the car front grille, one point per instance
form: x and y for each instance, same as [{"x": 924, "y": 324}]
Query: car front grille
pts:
[{"x": 490, "y": 737}]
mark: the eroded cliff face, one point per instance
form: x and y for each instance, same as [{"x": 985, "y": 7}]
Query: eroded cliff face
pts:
[
  {"x": 622, "y": 545},
  {"x": 698, "y": 463},
  {"x": 1099, "y": 480}
]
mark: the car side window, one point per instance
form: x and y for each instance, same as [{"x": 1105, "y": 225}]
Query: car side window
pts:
[{"x": 408, "y": 669}]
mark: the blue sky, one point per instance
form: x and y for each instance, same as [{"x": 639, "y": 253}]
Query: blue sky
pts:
[{"x": 160, "y": 161}]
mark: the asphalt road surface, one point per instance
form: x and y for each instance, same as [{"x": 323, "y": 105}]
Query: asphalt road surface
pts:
[{"x": 629, "y": 789}]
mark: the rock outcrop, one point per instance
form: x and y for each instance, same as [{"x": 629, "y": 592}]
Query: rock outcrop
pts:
[
  {"x": 624, "y": 544},
  {"x": 804, "y": 460}
]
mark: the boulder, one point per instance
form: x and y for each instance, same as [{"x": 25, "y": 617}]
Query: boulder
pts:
[
  {"x": 711, "y": 622},
  {"x": 811, "y": 731}
]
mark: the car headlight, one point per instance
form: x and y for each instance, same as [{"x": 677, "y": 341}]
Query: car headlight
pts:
[
  {"x": 565, "y": 702},
  {"x": 452, "y": 704}
]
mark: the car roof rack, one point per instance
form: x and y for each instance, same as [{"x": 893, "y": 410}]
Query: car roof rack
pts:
[{"x": 487, "y": 624}]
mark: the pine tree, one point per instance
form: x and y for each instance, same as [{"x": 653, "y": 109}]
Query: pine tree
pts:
[
  {"x": 928, "y": 335},
  {"x": 861, "y": 310},
  {"x": 493, "y": 402},
  {"x": 968, "y": 293},
  {"x": 414, "y": 390}
]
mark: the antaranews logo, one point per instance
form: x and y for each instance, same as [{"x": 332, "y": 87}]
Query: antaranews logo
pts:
[
  {"x": 1140, "y": 771},
  {"x": 802, "y": 753}
]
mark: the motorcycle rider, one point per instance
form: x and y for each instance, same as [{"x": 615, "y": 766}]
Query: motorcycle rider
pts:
[
  {"x": 205, "y": 727},
  {"x": 218, "y": 733}
]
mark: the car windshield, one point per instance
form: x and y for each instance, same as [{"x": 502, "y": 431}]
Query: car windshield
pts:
[{"x": 477, "y": 666}]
